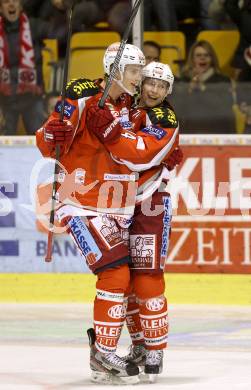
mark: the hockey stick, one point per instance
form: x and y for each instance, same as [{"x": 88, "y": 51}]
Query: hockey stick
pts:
[
  {"x": 101, "y": 105},
  {"x": 119, "y": 53},
  {"x": 48, "y": 256}
]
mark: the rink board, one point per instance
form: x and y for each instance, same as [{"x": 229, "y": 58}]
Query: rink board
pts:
[
  {"x": 209, "y": 258},
  {"x": 219, "y": 289},
  {"x": 210, "y": 193}
]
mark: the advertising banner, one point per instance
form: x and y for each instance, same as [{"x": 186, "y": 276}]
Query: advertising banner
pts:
[
  {"x": 211, "y": 228},
  {"x": 22, "y": 245},
  {"x": 211, "y": 202}
]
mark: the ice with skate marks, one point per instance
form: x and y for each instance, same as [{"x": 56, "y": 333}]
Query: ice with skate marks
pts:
[
  {"x": 147, "y": 378},
  {"x": 106, "y": 378}
]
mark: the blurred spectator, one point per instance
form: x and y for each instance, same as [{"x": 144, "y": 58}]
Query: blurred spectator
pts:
[
  {"x": 152, "y": 51},
  {"x": 240, "y": 12},
  {"x": 203, "y": 97},
  {"x": 188, "y": 16},
  {"x": 2, "y": 121},
  {"x": 21, "y": 80},
  {"x": 53, "y": 12},
  {"x": 244, "y": 103},
  {"x": 207, "y": 23},
  {"x": 58, "y": 24},
  {"x": 34, "y": 8},
  {"x": 208, "y": 13},
  {"x": 88, "y": 13},
  {"x": 39, "y": 9},
  {"x": 50, "y": 103},
  {"x": 186, "y": 9},
  {"x": 213, "y": 15},
  {"x": 196, "y": 15},
  {"x": 245, "y": 74},
  {"x": 160, "y": 15}
]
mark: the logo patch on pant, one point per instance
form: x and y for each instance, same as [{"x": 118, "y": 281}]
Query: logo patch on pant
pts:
[
  {"x": 108, "y": 230},
  {"x": 117, "y": 311},
  {"x": 155, "y": 304},
  {"x": 142, "y": 250}
]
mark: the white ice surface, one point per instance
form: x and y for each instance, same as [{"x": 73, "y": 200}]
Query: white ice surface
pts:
[{"x": 43, "y": 347}]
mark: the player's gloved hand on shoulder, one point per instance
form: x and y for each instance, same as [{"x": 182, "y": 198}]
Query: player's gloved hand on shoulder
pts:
[
  {"x": 57, "y": 132},
  {"x": 103, "y": 124},
  {"x": 174, "y": 159}
]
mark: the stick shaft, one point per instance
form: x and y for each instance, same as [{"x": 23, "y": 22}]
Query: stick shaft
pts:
[
  {"x": 66, "y": 64},
  {"x": 48, "y": 256}
]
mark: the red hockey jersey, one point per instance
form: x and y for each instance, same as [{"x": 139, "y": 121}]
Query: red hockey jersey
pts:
[{"x": 105, "y": 177}]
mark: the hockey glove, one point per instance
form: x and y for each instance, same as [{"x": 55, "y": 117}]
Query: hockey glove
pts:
[
  {"x": 174, "y": 159},
  {"x": 103, "y": 124},
  {"x": 58, "y": 132}
]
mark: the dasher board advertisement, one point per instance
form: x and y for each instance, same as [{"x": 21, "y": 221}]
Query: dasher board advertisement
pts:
[{"x": 210, "y": 192}]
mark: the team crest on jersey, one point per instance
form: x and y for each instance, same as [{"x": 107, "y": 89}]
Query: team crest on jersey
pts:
[
  {"x": 124, "y": 119},
  {"x": 68, "y": 108},
  {"x": 80, "y": 88}
]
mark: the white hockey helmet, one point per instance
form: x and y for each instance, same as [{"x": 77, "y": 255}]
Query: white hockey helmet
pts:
[
  {"x": 131, "y": 55},
  {"x": 157, "y": 70}
]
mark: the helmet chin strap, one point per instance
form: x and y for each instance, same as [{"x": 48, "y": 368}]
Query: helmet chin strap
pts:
[{"x": 120, "y": 83}]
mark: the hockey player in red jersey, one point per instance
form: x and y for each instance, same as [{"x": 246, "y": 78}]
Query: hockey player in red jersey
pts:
[
  {"x": 98, "y": 190},
  {"x": 147, "y": 319}
]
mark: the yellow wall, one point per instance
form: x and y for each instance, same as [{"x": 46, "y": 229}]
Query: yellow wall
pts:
[{"x": 180, "y": 288}]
